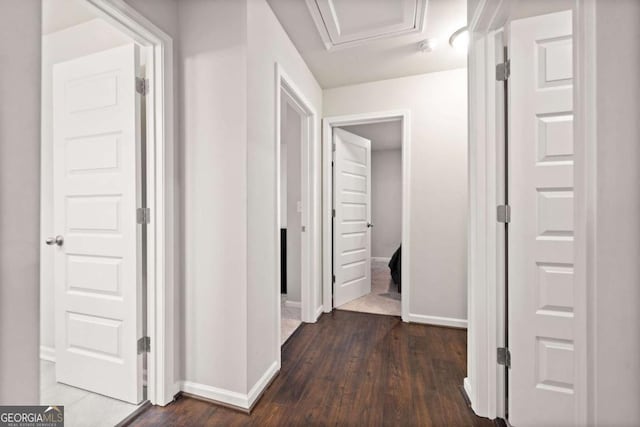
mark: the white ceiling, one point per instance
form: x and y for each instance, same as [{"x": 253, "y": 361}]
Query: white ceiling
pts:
[
  {"x": 383, "y": 136},
  {"x": 378, "y": 58},
  {"x": 60, "y": 14}
]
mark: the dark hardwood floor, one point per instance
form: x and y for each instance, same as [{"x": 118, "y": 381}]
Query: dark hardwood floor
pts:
[{"x": 351, "y": 369}]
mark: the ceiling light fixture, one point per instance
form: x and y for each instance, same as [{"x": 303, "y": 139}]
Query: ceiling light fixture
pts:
[
  {"x": 427, "y": 45},
  {"x": 459, "y": 40}
]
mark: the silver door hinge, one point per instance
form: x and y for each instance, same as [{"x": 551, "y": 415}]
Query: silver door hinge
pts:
[
  {"x": 143, "y": 215},
  {"x": 504, "y": 214},
  {"x": 142, "y": 85},
  {"x": 144, "y": 345},
  {"x": 504, "y": 357},
  {"x": 304, "y": 228},
  {"x": 333, "y": 213},
  {"x": 503, "y": 71},
  {"x": 333, "y": 278},
  {"x": 333, "y": 147}
]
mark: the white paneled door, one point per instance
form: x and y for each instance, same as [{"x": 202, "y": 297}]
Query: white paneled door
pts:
[
  {"x": 542, "y": 324},
  {"x": 96, "y": 192},
  {"x": 351, "y": 223}
]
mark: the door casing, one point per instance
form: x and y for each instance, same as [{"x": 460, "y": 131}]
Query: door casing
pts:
[
  {"x": 328, "y": 123},
  {"x": 484, "y": 382},
  {"x": 157, "y": 49},
  {"x": 288, "y": 92}
]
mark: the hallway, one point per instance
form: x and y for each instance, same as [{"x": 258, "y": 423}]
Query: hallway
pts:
[{"x": 352, "y": 369}]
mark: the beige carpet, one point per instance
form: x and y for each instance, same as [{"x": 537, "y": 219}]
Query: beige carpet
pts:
[{"x": 384, "y": 297}]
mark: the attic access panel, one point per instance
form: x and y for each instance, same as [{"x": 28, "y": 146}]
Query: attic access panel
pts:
[{"x": 346, "y": 23}]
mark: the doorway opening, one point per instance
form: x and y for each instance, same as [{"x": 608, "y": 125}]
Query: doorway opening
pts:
[
  {"x": 366, "y": 199},
  {"x": 105, "y": 271},
  {"x": 92, "y": 146},
  {"x": 295, "y": 130},
  {"x": 291, "y": 127},
  {"x": 376, "y": 268}
]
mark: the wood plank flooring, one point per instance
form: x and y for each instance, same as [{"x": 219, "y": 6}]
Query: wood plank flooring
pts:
[{"x": 351, "y": 369}]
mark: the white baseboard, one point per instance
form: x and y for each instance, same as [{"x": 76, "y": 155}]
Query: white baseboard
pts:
[
  {"x": 437, "y": 321},
  {"x": 261, "y": 385},
  {"x": 215, "y": 394},
  {"x": 231, "y": 398},
  {"x": 293, "y": 304},
  {"x": 170, "y": 394},
  {"x": 319, "y": 311},
  {"x": 48, "y": 353},
  {"x": 467, "y": 389},
  {"x": 381, "y": 259}
]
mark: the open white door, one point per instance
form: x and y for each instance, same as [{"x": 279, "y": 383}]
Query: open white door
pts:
[
  {"x": 351, "y": 222},
  {"x": 96, "y": 192},
  {"x": 542, "y": 326}
]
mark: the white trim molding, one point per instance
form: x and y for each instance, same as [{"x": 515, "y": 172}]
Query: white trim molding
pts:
[
  {"x": 261, "y": 385},
  {"x": 328, "y": 123},
  {"x": 48, "y": 353},
  {"x": 437, "y": 321},
  {"x": 467, "y": 390},
  {"x": 215, "y": 395},
  {"x": 288, "y": 91},
  {"x": 380, "y": 259},
  {"x": 586, "y": 205},
  {"x": 158, "y": 48},
  {"x": 233, "y": 399},
  {"x": 293, "y": 304}
]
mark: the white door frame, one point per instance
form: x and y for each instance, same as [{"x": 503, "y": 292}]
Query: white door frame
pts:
[
  {"x": 328, "y": 123},
  {"x": 484, "y": 384},
  {"x": 296, "y": 98},
  {"x": 158, "y": 48}
]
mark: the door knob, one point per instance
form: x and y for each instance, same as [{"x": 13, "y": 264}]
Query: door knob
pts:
[
  {"x": 58, "y": 240},
  {"x": 369, "y": 225}
]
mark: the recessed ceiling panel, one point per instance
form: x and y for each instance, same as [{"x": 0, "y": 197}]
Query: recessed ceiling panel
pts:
[{"x": 343, "y": 23}]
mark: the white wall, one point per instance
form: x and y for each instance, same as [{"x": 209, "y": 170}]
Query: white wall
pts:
[
  {"x": 20, "y": 42},
  {"x": 267, "y": 44},
  {"x": 438, "y": 219},
  {"x": 213, "y": 138},
  {"x": 291, "y": 135},
  {"x": 386, "y": 202},
  {"x": 70, "y": 43},
  {"x": 614, "y": 296},
  {"x": 226, "y": 186},
  {"x": 227, "y": 181}
]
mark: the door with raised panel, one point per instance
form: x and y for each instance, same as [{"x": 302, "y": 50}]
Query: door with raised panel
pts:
[
  {"x": 96, "y": 192},
  {"x": 542, "y": 322},
  {"x": 351, "y": 224}
]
